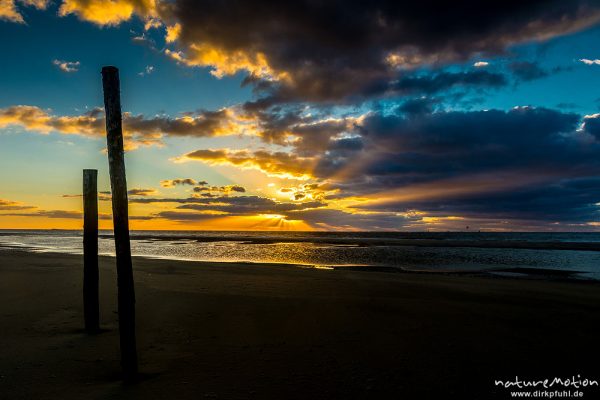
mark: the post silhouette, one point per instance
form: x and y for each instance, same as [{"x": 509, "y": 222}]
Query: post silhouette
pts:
[
  {"x": 91, "y": 307},
  {"x": 118, "y": 183}
]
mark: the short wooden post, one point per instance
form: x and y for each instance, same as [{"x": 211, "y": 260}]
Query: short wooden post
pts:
[
  {"x": 118, "y": 183},
  {"x": 91, "y": 307}
]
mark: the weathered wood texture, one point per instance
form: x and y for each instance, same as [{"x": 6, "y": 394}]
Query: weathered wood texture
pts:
[
  {"x": 118, "y": 182},
  {"x": 91, "y": 307}
]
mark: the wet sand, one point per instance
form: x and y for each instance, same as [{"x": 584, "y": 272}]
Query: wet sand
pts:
[
  {"x": 382, "y": 241},
  {"x": 243, "y": 331}
]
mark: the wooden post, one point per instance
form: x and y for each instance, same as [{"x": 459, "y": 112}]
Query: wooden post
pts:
[
  {"x": 91, "y": 307},
  {"x": 118, "y": 183}
]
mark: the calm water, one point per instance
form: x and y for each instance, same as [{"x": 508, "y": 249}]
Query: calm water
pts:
[{"x": 357, "y": 249}]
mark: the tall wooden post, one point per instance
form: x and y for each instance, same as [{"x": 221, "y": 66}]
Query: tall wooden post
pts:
[
  {"x": 118, "y": 183},
  {"x": 91, "y": 307}
]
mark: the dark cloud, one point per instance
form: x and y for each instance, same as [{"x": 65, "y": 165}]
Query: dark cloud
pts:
[
  {"x": 219, "y": 189},
  {"x": 417, "y": 106},
  {"x": 313, "y": 213},
  {"x": 332, "y": 50},
  {"x": 526, "y": 163},
  {"x": 104, "y": 195},
  {"x": 338, "y": 219},
  {"x": 567, "y": 106},
  {"x": 179, "y": 181},
  {"x": 527, "y": 71},
  {"x": 232, "y": 205},
  {"x": 236, "y": 188},
  {"x": 563, "y": 201},
  {"x": 591, "y": 125},
  {"x": 184, "y": 216},
  {"x": 141, "y": 217},
  {"x": 141, "y": 192},
  {"x": 531, "y": 163},
  {"x": 442, "y": 81},
  {"x": 202, "y": 123}
]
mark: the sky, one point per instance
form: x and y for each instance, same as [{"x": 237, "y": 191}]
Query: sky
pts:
[{"x": 306, "y": 115}]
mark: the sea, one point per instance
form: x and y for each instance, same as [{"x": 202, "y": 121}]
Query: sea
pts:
[{"x": 394, "y": 251}]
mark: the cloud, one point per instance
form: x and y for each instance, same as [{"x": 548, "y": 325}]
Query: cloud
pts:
[
  {"x": 141, "y": 192},
  {"x": 139, "y": 130},
  {"x": 185, "y": 216},
  {"x": 329, "y": 51},
  {"x": 147, "y": 71},
  {"x": 224, "y": 62},
  {"x": 309, "y": 191},
  {"x": 445, "y": 164},
  {"x": 61, "y": 214},
  {"x": 35, "y": 119},
  {"x": 590, "y": 62},
  {"x": 563, "y": 201},
  {"x": 527, "y": 71},
  {"x": 529, "y": 163},
  {"x": 109, "y": 12},
  {"x": 331, "y": 219},
  {"x": 332, "y": 51},
  {"x": 200, "y": 124},
  {"x": 8, "y": 205},
  {"x": 314, "y": 213},
  {"x": 219, "y": 189},
  {"x": 225, "y": 205},
  {"x": 168, "y": 183},
  {"x": 10, "y": 12},
  {"x": 235, "y": 188},
  {"x": 58, "y": 214},
  {"x": 447, "y": 143},
  {"x": 312, "y": 66},
  {"x": 591, "y": 125},
  {"x": 423, "y": 105},
  {"x": 173, "y": 33},
  {"x": 67, "y": 66},
  {"x": 443, "y": 81},
  {"x": 279, "y": 164}
]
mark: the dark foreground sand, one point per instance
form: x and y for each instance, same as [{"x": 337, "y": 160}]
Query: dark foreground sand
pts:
[{"x": 235, "y": 331}]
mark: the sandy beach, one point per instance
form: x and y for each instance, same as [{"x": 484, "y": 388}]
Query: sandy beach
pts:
[{"x": 239, "y": 331}]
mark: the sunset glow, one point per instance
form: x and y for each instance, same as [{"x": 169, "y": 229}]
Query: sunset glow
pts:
[{"x": 294, "y": 131}]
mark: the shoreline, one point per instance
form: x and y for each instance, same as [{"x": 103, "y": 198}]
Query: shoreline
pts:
[
  {"x": 525, "y": 273},
  {"x": 429, "y": 239}
]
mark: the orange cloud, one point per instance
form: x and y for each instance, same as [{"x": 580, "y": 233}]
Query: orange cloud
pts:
[
  {"x": 173, "y": 33},
  {"x": 278, "y": 164},
  {"x": 34, "y": 118},
  {"x": 10, "y": 12},
  {"x": 67, "y": 66},
  {"x": 138, "y": 129},
  {"x": 109, "y": 12},
  {"x": 8, "y": 205},
  {"x": 223, "y": 62}
]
